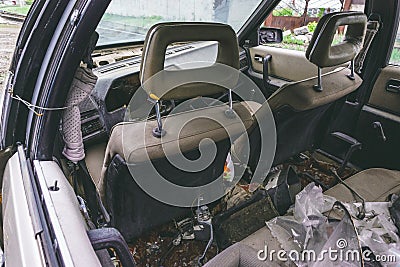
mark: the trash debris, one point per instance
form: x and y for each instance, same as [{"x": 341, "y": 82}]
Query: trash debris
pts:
[
  {"x": 311, "y": 168},
  {"x": 319, "y": 222},
  {"x": 166, "y": 247},
  {"x": 229, "y": 170}
]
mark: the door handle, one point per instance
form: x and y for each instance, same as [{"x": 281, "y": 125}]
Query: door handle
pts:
[
  {"x": 266, "y": 61},
  {"x": 393, "y": 86},
  {"x": 378, "y": 126},
  {"x": 258, "y": 58}
]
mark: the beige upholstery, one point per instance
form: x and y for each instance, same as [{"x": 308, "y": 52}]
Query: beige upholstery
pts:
[
  {"x": 281, "y": 59},
  {"x": 322, "y": 53},
  {"x": 135, "y": 142},
  {"x": 380, "y": 97},
  {"x": 372, "y": 184},
  {"x": 94, "y": 160},
  {"x": 301, "y": 96},
  {"x": 238, "y": 255},
  {"x": 163, "y": 34}
]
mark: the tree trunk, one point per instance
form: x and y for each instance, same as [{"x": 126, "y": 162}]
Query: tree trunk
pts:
[
  {"x": 305, "y": 14},
  {"x": 347, "y": 4}
]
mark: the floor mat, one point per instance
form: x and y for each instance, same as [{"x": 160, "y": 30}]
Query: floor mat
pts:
[{"x": 314, "y": 168}]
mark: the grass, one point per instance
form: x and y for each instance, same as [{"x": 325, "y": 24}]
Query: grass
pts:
[
  {"x": 21, "y": 10},
  {"x": 289, "y": 42},
  {"x": 395, "y": 57},
  {"x": 144, "y": 22}
]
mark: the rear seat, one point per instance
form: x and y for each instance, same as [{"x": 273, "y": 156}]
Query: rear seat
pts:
[{"x": 373, "y": 185}]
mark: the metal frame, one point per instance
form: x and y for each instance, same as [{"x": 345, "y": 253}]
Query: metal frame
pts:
[
  {"x": 318, "y": 87},
  {"x": 351, "y": 75},
  {"x": 158, "y": 131}
]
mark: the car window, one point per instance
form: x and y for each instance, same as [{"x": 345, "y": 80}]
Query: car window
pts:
[
  {"x": 298, "y": 19},
  {"x": 395, "y": 56},
  {"x": 129, "y": 21}
]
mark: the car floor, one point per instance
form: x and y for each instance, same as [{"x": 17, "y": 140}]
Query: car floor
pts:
[
  {"x": 315, "y": 167},
  {"x": 163, "y": 247}
]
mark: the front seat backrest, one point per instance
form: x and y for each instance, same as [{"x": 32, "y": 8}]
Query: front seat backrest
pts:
[
  {"x": 133, "y": 210},
  {"x": 302, "y": 110}
]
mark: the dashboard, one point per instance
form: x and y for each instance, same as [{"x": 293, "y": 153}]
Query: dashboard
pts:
[{"x": 118, "y": 80}]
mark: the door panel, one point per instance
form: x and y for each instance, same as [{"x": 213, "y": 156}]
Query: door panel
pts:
[
  {"x": 20, "y": 224},
  {"x": 378, "y": 127},
  {"x": 31, "y": 224},
  {"x": 386, "y": 92},
  {"x": 65, "y": 215},
  {"x": 289, "y": 65}
]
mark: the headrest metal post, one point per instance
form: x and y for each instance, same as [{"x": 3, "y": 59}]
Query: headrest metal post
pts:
[
  {"x": 318, "y": 87},
  {"x": 158, "y": 131},
  {"x": 230, "y": 99},
  {"x": 351, "y": 75},
  {"x": 229, "y": 112}
]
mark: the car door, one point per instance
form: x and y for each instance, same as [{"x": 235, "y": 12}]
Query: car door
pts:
[
  {"x": 41, "y": 220},
  {"x": 25, "y": 237},
  {"x": 287, "y": 60},
  {"x": 27, "y": 241},
  {"x": 42, "y": 224},
  {"x": 378, "y": 127}
]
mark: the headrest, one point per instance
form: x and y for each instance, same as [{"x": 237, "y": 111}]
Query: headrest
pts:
[
  {"x": 322, "y": 53},
  {"x": 161, "y": 35}
]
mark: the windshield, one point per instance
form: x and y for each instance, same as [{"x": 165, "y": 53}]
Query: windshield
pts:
[{"x": 128, "y": 20}]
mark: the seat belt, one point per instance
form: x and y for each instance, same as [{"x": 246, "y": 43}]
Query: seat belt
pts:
[
  {"x": 82, "y": 86},
  {"x": 373, "y": 27}
]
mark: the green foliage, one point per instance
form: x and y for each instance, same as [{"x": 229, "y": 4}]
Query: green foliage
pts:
[
  {"x": 395, "y": 57},
  {"x": 290, "y": 39},
  {"x": 21, "y": 10},
  {"x": 291, "y": 43},
  {"x": 141, "y": 22},
  {"x": 283, "y": 12},
  {"x": 311, "y": 26},
  {"x": 321, "y": 12},
  {"x": 155, "y": 17},
  {"x": 338, "y": 39}
]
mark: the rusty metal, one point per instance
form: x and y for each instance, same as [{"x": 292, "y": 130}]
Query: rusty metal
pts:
[{"x": 288, "y": 22}]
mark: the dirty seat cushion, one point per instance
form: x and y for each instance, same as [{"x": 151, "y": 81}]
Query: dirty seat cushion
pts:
[
  {"x": 372, "y": 184},
  {"x": 237, "y": 255}
]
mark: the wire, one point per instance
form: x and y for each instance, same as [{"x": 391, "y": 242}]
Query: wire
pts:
[
  {"x": 200, "y": 261},
  {"x": 362, "y": 209},
  {"x": 33, "y": 107}
]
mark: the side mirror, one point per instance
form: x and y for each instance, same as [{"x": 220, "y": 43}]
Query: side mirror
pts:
[{"x": 269, "y": 35}]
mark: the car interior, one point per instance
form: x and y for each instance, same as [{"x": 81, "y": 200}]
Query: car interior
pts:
[{"x": 336, "y": 125}]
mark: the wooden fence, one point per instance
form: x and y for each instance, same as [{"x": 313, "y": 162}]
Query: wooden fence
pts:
[{"x": 288, "y": 22}]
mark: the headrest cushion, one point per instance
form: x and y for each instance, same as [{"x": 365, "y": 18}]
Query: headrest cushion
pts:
[
  {"x": 161, "y": 35},
  {"x": 322, "y": 53}
]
